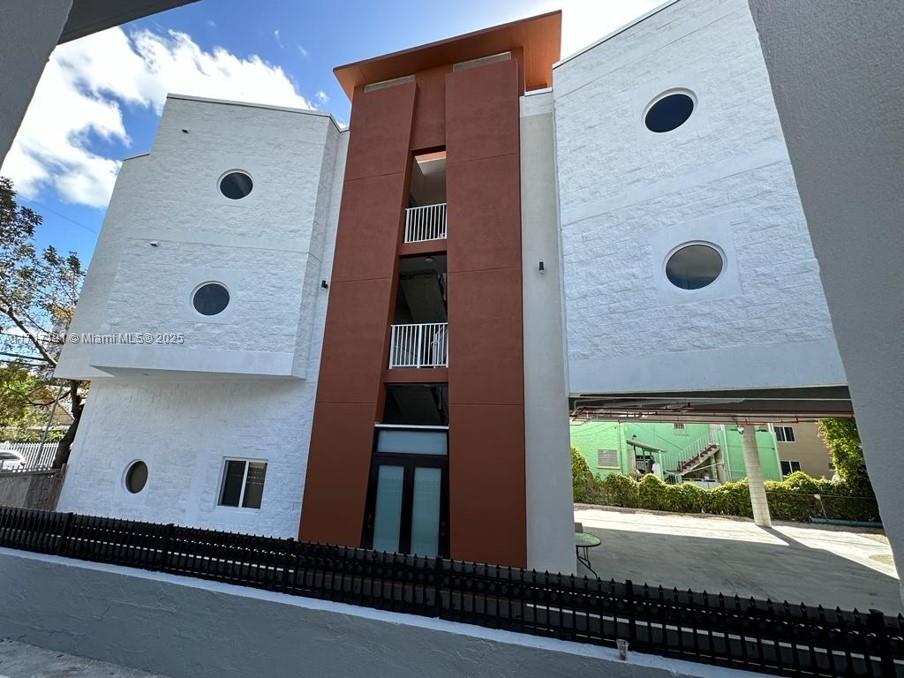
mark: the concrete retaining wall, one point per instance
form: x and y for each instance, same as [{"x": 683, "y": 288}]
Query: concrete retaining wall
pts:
[
  {"x": 31, "y": 489},
  {"x": 186, "y": 627}
]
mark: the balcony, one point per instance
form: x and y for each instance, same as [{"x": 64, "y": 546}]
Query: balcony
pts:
[
  {"x": 425, "y": 223},
  {"x": 419, "y": 345}
]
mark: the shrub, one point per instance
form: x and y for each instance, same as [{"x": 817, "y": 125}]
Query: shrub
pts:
[
  {"x": 730, "y": 499},
  {"x": 619, "y": 490},
  {"x": 654, "y": 494},
  {"x": 797, "y": 482},
  {"x": 842, "y": 438},
  {"x": 689, "y": 497},
  {"x": 787, "y": 502},
  {"x": 582, "y": 481},
  {"x": 798, "y": 497}
]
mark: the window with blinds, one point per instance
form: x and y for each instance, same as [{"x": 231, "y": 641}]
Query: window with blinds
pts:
[{"x": 607, "y": 458}]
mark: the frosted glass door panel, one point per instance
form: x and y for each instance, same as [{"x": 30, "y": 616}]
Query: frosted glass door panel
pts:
[
  {"x": 425, "y": 511},
  {"x": 388, "y": 512}
]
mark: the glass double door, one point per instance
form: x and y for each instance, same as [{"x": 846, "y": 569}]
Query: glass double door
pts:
[{"x": 407, "y": 504}]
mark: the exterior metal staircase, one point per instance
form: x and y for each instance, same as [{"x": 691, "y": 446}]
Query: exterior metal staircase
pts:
[{"x": 693, "y": 456}]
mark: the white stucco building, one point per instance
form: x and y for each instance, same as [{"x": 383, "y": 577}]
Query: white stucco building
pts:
[
  {"x": 659, "y": 138},
  {"x": 629, "y": 198},
  {"x": 238, "y": 384}
]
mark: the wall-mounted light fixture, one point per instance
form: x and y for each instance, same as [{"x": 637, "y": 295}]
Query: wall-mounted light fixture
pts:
[
  {"x": 542, "y": 267},
  {"x": 153, "y": 243},
  {"x": 324, "y": 284}
]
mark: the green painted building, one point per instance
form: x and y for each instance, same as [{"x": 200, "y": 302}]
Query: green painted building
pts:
[{"x": 709, "y": 452}]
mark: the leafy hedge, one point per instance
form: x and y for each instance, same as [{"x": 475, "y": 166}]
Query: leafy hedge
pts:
[{"x": 798, "y": 497}]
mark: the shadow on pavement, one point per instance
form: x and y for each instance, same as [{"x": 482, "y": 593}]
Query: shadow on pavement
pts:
[{"x": 792, "y": 572}]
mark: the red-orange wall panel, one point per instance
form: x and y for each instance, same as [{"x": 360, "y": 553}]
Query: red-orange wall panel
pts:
[
  {"x": 354, "y": 337},
  {"x": 482, "y": 111},
  {"x": 486, "y": 500},
  {"x": 484, "y": 208},
  {"x": 486, "y": 391},
  {"x": 368, "y": 249},
  {"x": 430, "y": 109},
  {"x": 380, "y": 129},
  {"x": 485, "y": 343},
  {"x": 336, "y": 481},
  {"x": 349, "y": 390}
]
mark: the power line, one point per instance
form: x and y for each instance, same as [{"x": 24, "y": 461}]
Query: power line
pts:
[{"x": 59, "y": 214}]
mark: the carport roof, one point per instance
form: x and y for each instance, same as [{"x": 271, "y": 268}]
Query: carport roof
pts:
[{"x": 90, "y": 16}]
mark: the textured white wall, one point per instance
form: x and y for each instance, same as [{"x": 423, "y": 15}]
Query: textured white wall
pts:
[
  {"x": 272, "y": 252},
  {"x": 550, "y": 511},
  {"x": 628, "y": 196},
  {"x": 266, "y": 248}
]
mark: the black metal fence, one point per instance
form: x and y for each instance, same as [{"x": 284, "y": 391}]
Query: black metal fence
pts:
[{"x": 727, "y": 631}]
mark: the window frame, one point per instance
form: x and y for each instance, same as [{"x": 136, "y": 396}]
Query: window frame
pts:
[
  {"x": 225, "y": 174},
  {"x": 672, "y": 91},
  {"x": 791, "y": 469},
  {"x": 244, "y": 487},
  {"x": 125, "y": 477},
  {"x": 720, "y": 252},
  {"x": 787, "y": 434},
  {"x": 198, "y": 287}
]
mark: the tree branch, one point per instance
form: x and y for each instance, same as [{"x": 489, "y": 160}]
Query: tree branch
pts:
[{"x": 8, "y": 311}]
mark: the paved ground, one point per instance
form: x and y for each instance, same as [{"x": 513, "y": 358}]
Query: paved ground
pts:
[
  {"x": 18, "y": 660},
  {"x": 825, "y": 565}
]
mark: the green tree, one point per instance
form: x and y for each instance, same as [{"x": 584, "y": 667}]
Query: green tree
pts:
[
  {"x": 38, "y": 294},
  {"x": 16, "y": 386},
  {"x": 843, "y": 440},
  {"x": 582, "y": 481}
]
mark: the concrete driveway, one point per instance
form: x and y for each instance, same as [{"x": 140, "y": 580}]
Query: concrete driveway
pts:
[
  {"x": 19, "y": 660},
  {"x": 825, "y": 565}
]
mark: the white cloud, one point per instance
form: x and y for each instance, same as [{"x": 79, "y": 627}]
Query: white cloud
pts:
[
  {"x": 278, "y": 39},
  {"x": 302, "y": 50},
  {"x": 321, "y": 96},
  {"x": 586, "y": 21},
  {"x": 87, "y": 82}
]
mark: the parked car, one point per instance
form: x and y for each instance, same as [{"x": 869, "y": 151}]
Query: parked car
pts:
[{"x": 11, "y": 460}]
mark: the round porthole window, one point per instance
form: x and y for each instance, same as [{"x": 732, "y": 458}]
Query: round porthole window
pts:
[
  {"x": 136, "y": 476},
  {"x": 210, "y": 299},
  {"x": 694, "y": 266},
  {"x": 236, "y": 185},
  {"x": 669, "y": 111}
]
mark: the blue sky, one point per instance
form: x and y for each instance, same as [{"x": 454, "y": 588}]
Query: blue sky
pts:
[{"x": 111, "y": 85}]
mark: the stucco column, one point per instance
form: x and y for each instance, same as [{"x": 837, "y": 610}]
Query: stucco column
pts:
[
  {"x": 28, "y": 33},
  {"x": 754, "y": 477},
  {"x": 838, "y": 100}
]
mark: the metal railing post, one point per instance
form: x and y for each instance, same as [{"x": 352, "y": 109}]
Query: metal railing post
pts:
[
  {"x": 886, "y": 656},
  {"x": 420, "y": 345}
]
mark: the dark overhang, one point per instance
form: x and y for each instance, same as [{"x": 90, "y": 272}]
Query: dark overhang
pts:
[
  {"x": 91, "y": 16},
  {"x": 751, "y": 405}
]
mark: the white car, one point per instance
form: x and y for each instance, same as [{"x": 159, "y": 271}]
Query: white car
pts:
[{"x": 11, "y": 460}]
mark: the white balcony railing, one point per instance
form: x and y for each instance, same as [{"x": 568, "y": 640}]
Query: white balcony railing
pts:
[
  {"x": 425, "y": 223},
  {"x": 421, "y": 345}
]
